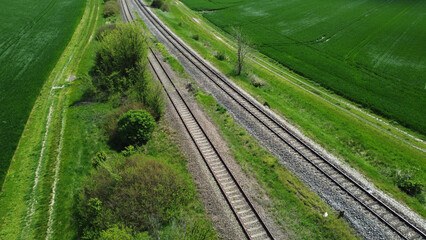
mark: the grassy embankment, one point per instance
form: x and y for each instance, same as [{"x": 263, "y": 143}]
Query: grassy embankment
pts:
[
  {"x": 25, "y": 201},
  {"x": 32, "y": 38},
  {"x": 368, "y": 51},
  {"x": 360, "y": 142}
]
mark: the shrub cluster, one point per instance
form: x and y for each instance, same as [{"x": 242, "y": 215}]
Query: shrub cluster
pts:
[
  {"x": 220, "y": 55},
  {"x": 104, "y": 30},
  {"x": 120, "y": 70},
  {"x": 140, "y": 194},
  {"x": 405, "y": 181},
  {"x": 121, "y": 62},
  {"x": 196, "y": 37},
  {"x": 111, "y": 8}
]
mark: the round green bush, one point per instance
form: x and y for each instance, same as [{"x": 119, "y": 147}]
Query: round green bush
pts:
[{"x": 135, "y": 127}]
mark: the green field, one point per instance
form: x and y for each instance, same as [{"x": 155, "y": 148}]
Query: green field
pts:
[
  {"x": 369, "y": 51},
  {"x": 32, "y": 37}
]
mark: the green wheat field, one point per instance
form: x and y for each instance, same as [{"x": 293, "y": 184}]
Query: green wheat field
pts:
[{"x": 370, "y": 51}]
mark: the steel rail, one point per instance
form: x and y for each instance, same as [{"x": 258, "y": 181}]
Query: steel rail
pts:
[
  {"x": 221, "y": 187},
  {"x": 169, "y": 35},
  {"x": 238, "y": 216}
]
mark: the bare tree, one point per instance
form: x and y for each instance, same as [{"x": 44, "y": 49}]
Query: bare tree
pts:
[{"x": 242, "y": 50}]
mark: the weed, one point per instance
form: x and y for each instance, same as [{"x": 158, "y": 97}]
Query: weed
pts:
[{"x": 220, "y": 55}]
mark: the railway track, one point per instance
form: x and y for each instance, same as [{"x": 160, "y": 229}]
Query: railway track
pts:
[
  {"x": 392, "y": 219},
  {"x": 250, "y": 221}
]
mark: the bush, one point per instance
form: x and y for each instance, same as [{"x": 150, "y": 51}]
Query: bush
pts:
[
  {"x": 116, "y": 233},
  {"x": 256, "y": 82},
  {"x": 111, "y": 8},
  {"x": 135, "y": 127},
  {"x": 128, "y": 151},
  {"x": 98, "y": 159},
  {"x": 220, "y": 55},
  {"x": 157, "y": 3},
  {"x": 220, "y": 109},
  {"x": 405, "y": 181},
  {"x": 155, "y": 100},
  {"x": 121, "y": 63},
  {"x": 196, "y": 37},
  {"x": 165, "y": 7},
  {"x": 146, "y": 191},
  {"x": 104, "y": 30},
  {"x": 92, "y": 217}
]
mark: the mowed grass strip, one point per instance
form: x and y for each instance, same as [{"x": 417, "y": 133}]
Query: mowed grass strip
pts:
[
  {"x": 371, "y": 52},
  {"x": 367, "y": 148},
  {"x": 33, "y": 36}
]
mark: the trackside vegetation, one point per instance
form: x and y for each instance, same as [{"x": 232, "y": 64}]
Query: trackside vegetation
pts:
[
  {"x": 389, "y": 161},
  {"x": 32, "y": 39},
  {"x": 49, "y": 190},
  {"x": 140, "y": 190}
]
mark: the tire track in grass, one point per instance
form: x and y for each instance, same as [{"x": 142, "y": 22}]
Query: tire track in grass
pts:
[
  {"x": 49, "y": 231},
  {"x": 33, "y": 201},
  {"x": 25, "y": 29},
  {"x": 353, "y": 53}
]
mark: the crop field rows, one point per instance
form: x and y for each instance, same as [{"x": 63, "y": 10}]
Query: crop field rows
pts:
[
  {"x": 371, "y": 52},
  {"x": 32, "y": 38}
]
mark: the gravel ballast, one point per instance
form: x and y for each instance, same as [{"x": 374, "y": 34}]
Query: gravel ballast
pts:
[
  {"x": 217, "y": 208},
  {"x": 366, "y": 224}
]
